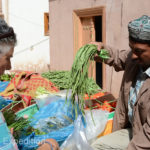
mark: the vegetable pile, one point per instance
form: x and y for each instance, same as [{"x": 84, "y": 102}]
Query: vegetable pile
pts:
[
  {"x": 79, "y": 73},
  {"x": 6, "y": 77},
  {"x": 77, "y": 79},
  {"x": 59, "y": 78},
  {"x": 20, "y": 125}
]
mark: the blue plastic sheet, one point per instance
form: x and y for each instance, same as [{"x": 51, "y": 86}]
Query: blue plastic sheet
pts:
[
  {"x": 4, "y": 102},
  {"x": 7, "y": 142},
  {"x": 56, "y": 119},
  {"x": 3, "y": 85}
]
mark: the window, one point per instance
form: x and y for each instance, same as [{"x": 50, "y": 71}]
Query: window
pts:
[{"x": 46, "y": 24}]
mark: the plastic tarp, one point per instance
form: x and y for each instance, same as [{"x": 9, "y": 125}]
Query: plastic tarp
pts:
[
  {"x": 4, "y": 102},
  {"x": 7, "y": 142},
  {"x": 55, "y": 120}
]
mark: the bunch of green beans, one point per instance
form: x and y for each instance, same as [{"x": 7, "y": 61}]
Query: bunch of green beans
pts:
[
  {"x": 61, "y": 80},
  {"x": 77, "y": 79},
  {"x": 79, "y": 73},
  {"x": 20, "y": 125}
]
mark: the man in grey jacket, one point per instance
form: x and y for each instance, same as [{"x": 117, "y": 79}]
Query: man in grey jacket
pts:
[{"x": 131, "y": 124}]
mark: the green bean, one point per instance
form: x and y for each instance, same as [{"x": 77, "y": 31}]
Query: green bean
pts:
[
  {"x": 79, "y": 75},
  {"x": 80, "y": 83},
  {"x": 77, "y": 79}
]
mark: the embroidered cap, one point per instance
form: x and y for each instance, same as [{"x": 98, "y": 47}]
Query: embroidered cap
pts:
[{"x": 140, "y": 28}]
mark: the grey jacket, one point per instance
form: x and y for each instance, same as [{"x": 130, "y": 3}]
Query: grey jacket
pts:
[{"x": 121, "y": 60}]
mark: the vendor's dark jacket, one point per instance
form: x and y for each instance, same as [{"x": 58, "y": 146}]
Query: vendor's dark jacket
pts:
[{"x": 121, "y": 60}]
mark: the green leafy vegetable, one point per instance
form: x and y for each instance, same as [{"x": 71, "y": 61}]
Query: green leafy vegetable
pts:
[
  {"x": 104, "y": 54},
  {"x": 79, "y": 75},
  {"x": 6, "y": 77}
]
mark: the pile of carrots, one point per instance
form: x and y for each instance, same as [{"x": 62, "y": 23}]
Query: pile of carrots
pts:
[{"x": 108, "y": 105}]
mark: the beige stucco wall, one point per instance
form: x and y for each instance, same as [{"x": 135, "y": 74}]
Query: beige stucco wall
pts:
[{"x": 118, "y": 14}]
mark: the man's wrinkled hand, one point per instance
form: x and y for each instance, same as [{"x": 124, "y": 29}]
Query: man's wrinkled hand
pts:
[
  {"x": 48, "y": 144},
  {"x": 99, "y": 45}
]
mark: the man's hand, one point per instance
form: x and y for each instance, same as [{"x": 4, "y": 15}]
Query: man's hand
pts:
[
  {"x": 48, "y": 144},
  {"x": 12, "y": 130},
  {"x": 100, "y": 46}
]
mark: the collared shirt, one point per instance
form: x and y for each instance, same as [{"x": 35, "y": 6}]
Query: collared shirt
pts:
[{"x": 134, "y": 90}]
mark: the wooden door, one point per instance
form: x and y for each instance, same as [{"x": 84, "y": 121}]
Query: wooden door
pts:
[
  {"x": 88, "y": 30},
  {"x": 84, "y": 32},
  {"x": 88, "y": 35}
]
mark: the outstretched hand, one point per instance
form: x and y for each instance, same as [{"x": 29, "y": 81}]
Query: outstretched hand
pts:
[
  {"x": 100, "y": 46},
  {"x": 48, "y": 144}
]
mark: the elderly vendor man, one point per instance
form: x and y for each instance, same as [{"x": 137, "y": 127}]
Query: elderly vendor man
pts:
[{"x": 131, "y": 124}]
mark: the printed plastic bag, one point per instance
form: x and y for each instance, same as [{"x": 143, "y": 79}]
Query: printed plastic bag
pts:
[
  {"x": 43, "y": 101},
  {"x": 55, "y": 120},
  {"x": 77, "y": 140},
  {"x": 54, "y": 116}
]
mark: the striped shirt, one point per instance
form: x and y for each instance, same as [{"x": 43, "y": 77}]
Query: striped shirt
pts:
[{"x": 134, "y": 90}]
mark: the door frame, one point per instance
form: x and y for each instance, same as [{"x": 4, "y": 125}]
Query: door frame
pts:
[{"x": 77, "y": 30}]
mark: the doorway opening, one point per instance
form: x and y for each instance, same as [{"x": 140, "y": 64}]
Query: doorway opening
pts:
[
  {"x": 89, "y": 25},
  {"x": 98, "y": 38}
]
